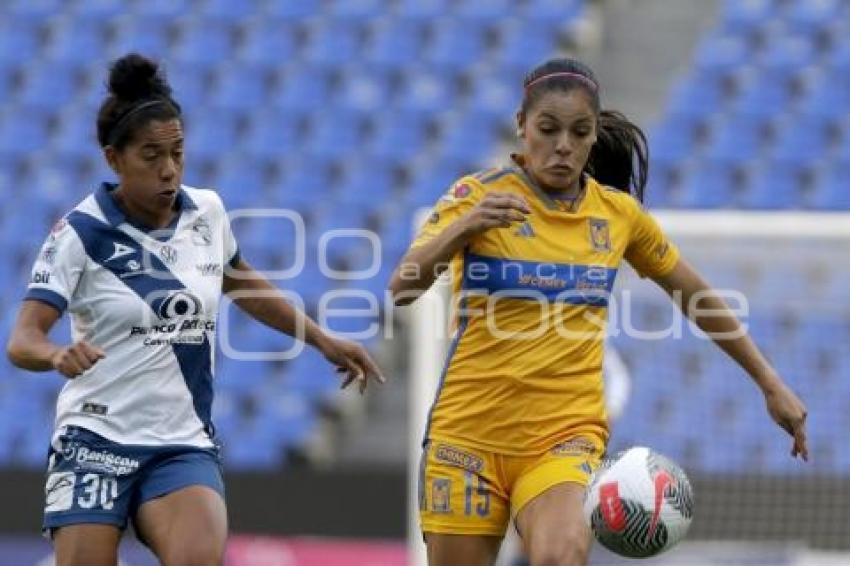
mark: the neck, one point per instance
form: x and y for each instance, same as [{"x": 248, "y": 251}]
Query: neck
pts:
[
  {"x": 570, "y": 193},
  {"x": 153, "y": 219}
]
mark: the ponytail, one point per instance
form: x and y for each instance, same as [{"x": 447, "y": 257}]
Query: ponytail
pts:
[{"x": 620, "y": 157}]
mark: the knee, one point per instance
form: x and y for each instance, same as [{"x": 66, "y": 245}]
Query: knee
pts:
[
  {"x": 193, "y": 554},
  {"x": 566, "y": 549}
]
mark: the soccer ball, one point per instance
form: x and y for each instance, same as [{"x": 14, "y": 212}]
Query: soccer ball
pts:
[{"x": 639, "y": 503}]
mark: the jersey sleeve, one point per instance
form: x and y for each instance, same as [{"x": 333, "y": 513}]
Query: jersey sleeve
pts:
[
  {"x": 649, "y": 251},
  {"x": 57, "y": 270},
  {"x": 457, "y": 201},
  {"x": 231, "y": 247}
]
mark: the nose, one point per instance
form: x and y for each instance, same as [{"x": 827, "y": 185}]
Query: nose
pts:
[
  {"x": 168, "y": 170},
  {"x": 563, "y": 144}
]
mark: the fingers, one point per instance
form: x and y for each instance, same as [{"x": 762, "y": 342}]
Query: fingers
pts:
[
  {"x": 801, "y": 446},
  {"x": 502, "y": 210},
  {"x": 359, "y": 366},
  {"x": 78, "y": 358}
]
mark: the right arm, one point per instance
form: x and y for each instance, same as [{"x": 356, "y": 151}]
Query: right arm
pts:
[
  {"x": 56, "y": 272},
  {"x": 30, "y": 348},
  {"x": 430, "y": 254}
]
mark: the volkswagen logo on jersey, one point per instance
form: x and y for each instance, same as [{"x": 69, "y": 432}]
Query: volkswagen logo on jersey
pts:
[
  {"x": 179, "y": 304},
  {"x": 168, "y": 254}
]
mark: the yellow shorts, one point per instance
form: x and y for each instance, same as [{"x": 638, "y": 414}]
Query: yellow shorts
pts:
[{"x": 466, "y": 491}]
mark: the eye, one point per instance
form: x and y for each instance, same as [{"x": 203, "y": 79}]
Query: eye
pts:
[{"x": 548, "y": 128}]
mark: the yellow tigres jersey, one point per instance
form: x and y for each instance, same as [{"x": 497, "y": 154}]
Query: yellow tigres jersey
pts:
[{"x": 524, "y": 369}]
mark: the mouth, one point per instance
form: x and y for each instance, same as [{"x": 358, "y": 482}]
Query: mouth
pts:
[
  {"x": 168, "y": 193},
  {"x": 561, "y": 169}
]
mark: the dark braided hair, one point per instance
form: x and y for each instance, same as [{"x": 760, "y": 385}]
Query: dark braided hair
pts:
[
  {"x": 138, "y": 93},
  {"x": 620, "y": 156}
]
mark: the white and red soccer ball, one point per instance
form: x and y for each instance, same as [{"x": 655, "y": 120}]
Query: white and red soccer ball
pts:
[{"x": 639, "y": 503}]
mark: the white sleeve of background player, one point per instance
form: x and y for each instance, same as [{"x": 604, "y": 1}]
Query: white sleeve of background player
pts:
[{"x": 58, "y": 267}]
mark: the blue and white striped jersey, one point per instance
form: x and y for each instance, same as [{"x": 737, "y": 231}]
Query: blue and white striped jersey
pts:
[{"x": 149, "y": 300}]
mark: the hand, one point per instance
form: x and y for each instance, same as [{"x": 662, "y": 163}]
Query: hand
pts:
[
  {"x": 73, "y": 360},
  {"x": 790, "y": 413},
  {"x": 496, "y": 210},
  {"x": 352, "y": 360}
]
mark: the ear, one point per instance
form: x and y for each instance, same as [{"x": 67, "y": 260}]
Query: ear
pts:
[
  {"x": 111, "y": 156},
  {"x": 520, "y": 125}
]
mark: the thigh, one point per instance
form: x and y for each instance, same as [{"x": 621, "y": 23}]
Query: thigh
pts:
[
  {"x": 461, "y": 493},
  {"x": 553, "y": 528},
  {"x": 86, "y": 545},
  {"x": 187, "y": 526},
  {"x": 469, "y": 550}
]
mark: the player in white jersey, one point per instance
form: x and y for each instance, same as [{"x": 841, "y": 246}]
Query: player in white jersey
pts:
[{"x": 141, "y": 267}]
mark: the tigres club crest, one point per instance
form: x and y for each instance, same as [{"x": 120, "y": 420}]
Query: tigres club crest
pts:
[{"x": 600, "y": 237}]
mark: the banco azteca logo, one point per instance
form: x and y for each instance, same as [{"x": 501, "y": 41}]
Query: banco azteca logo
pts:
[{"x": 178, "y": 304}]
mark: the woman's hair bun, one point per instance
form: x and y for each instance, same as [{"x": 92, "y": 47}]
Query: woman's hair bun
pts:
[{"x": 135, "y": 77}]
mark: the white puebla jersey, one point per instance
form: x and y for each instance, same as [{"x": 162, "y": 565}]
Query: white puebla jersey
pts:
[{"x": 149, "y": 300}]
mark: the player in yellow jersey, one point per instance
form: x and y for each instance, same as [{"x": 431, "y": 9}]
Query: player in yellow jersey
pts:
[{"x": 519, "y": 421}]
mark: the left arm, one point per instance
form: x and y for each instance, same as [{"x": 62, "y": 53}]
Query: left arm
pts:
[
  {"x": 264, "y": 302},
  {"x": 711, "y": 314}
]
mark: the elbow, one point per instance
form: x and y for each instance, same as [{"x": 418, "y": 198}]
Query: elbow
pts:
[
  {"x": 15, "y": 353},
  {"x": 401, "y": 296}
]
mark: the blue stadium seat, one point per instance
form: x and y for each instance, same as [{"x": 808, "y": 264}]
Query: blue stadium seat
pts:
[
  {"x": 20, "y": 40},
  {"x": 189, "y": 83},
  {"x": 804, "y": 138},
  {"x": 764, "y": 96},
  {"x": 775, "y": 184},
  {"x": 360, "y": 11},
  {"x": 746, "y": 15},
  {"x": 496, "y": 97},
  {"x": 468, "y": 137},
  {"x": 241, "y": 179},
  {"x": 335, "y": 134},
  {"x": 139, "y": 34},
  {"x": 34, "y": 10},
  {"x": 202, "y": 43},
  {"x": 395, "y": 44},
  {"x": 293, "y": 11},
  {"x": 722, "y": 55},
  {"x": 399, "y": 136},
  {"x": 674, "y": 139},
  {"x": 363, "y": 89},
  {"x": 708, "y": 184},
  {"x": 368, "y": 178},
  {"x": 226, "y": 10},
  {"x": 455, "y": 47},
  {"x": 813, "y": 15},
  {"x": 423, "y": 10},
  {"x": 698, "y": 95},
  {"x": 831, "y": 192},
  {"x": 484, "y": 12},
  {"x": 22, "y": 131},
  {"x": 99, "y": 9},
  {"x": 553, "y": 12},
  {"x": 787, "y": 56},
  {"x": 48, "y": 86},
  {"x": 165, "y": 10},
  {"x": 268, "y": 43},
  {"x": 425, "y": 92},
  {"x": 521, "y": 47},
  {"x": 736, "y": 139},
  {"x": 76, "y": 41},
  {"x": 239, "y": 87},
  {"x": 274, "y": 133},
  {"x": 332, "y": 40},
  {"x": 302, "y": 88},
  {"x": 207, "y": 137},
  {"x": 828, "y": 97},
  {"x": 838, "y": 60}
]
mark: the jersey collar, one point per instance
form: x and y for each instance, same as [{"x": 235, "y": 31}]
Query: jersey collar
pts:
[{"x": 115, "y": 216}]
